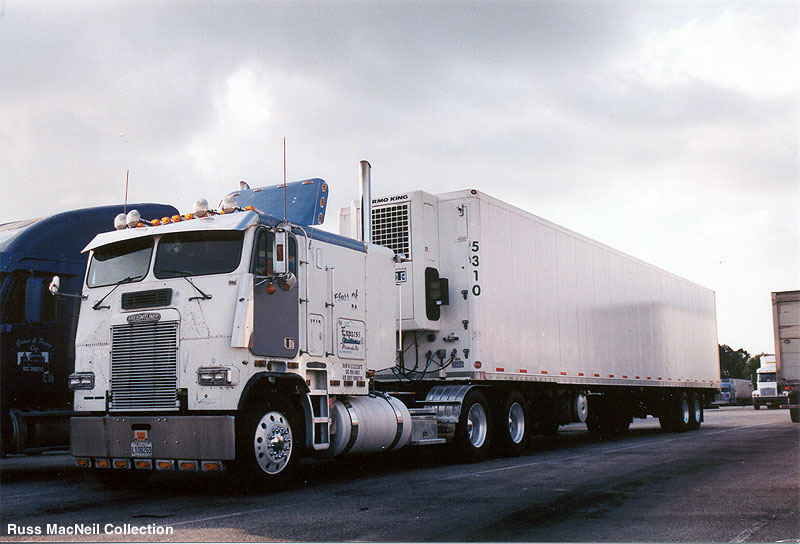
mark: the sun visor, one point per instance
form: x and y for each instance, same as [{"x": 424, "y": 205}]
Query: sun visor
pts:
[
  {"x": 304, "y": 201},
  {"x": 233, "y": 221}
]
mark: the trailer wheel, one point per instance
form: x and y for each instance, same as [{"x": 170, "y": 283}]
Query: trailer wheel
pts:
[
  {"x": 474, "y": 431},
  {"x": 269, "y": 442},
  {"x": 513, "y": 424},
  {"x": 676, "y": 414},
  {"x": 794, "y": 399},
  {"x": 695, "y": 412}
]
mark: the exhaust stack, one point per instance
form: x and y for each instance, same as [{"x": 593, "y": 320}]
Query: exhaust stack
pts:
[{"x": 366, "y": 203}]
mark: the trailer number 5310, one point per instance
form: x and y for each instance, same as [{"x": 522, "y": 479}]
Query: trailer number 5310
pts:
[{"x": 475, "y": 261}]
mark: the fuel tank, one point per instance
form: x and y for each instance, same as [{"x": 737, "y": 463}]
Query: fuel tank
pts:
[{"x": 368, "y": 424}]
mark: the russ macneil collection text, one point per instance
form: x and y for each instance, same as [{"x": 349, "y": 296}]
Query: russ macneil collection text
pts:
[{"x": 88, "y": 529}]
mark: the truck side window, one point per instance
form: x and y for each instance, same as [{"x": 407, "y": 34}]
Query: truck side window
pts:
[
  {"x": 263, "y": 258},
  {"x": 27, "y": 299}
]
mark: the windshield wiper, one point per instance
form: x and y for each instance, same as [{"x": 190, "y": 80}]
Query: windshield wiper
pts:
[
  {"x": 184, "y": 274},
  {"x": 96, "y": 305}
]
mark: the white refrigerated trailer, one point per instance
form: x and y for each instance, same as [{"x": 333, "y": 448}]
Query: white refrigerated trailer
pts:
[
  {"x": 238, "y": 340},
  {"x": 541, "y": 324}
]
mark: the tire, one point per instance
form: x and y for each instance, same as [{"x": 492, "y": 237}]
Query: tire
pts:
[
  {"x": 676, "y": 414},
  {"x": 473, "y": 435},
  {"x": 269, "y": 442},
  {"x": 695, "y": 412},
  {"x": 794, "y": 413},
  {"x": 513, "y": 424},
  {"x": 756, "y": 406}
]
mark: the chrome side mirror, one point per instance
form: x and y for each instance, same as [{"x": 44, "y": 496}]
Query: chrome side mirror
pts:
[{"x": 55, "y": 285}]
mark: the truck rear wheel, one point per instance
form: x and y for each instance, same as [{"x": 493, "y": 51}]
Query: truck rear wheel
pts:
[
  {"x": 695, "y": 412},
  {"x": 513, "y": 424},
  {"x": 676, "y": 414},
  {"x": 474, "y": 430},
  {"x": 269, "y": 441}
]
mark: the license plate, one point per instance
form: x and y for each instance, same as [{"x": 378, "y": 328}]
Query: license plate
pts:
[{"x": 141, "y": 449}]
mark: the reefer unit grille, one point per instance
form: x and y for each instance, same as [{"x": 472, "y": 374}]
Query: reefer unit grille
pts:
[
  {"x": 391, "y": 228},
  {"x": 144, "y": 365}
]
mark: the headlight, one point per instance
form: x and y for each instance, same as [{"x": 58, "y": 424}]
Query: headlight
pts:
[
  {"x": 81, "y": 380},
  {"x": 214, "y": 376}
]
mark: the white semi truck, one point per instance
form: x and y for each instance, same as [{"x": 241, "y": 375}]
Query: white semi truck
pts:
[
  {"x": 240, "y": 341},
  {"x": 766, "y": 392},
  {"x": 786, "y": 324}
]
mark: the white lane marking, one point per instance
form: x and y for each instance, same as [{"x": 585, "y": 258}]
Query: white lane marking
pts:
[{"x": 747, "y": 533}]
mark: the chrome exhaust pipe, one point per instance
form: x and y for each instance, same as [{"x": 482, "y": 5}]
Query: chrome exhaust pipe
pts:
[{"x": 366, "y": 203}]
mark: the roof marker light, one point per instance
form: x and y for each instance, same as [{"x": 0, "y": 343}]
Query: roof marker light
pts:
[
  {"x": 155, "y": 222},
  {"x": 176, "y": 218},
  {"x": 166, "y": 220}
]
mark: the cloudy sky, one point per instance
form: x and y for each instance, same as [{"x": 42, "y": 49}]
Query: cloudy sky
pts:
[{"x": 668, "y": 130}]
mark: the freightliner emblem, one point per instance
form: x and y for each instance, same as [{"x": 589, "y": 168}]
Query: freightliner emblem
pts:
[{"x": 139, "y": 318}]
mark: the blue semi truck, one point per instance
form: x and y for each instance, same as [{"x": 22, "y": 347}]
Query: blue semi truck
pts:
[{"x": 37, "y": 330}]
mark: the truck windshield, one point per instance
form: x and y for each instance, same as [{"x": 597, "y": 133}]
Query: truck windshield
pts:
[
  {"x": 768, "y": 377},
  {"x": 115, "y": 262},
  {"x": 198, "y": 253}
]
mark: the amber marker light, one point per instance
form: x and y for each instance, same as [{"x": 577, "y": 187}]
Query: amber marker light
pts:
[
  {"x": 188, "y": 216},
  {"x": 166, "y": 220},
  {"x": 270, "y": 288},
  {"x": 82, "y": 462},
  {"x": 176, "y": 218},
  {"x": 155, "y": 222}
]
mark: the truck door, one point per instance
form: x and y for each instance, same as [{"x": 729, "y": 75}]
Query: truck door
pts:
[
  {"x": 275, "y": 311},
  {"x": 37, "y": 348}
]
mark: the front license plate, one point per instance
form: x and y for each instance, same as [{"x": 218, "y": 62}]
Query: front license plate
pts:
[{"x": 141, "y": 449}]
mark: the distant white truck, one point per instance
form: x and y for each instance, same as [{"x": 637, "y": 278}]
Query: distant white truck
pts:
[
  {"x": 786, "y": 323},
  {"x": 766, "y": 392}
]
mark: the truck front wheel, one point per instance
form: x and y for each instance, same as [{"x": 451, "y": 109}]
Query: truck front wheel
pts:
[{"x": 269, "y": 441}]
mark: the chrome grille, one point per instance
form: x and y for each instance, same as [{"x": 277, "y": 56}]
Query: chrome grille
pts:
[
  {"x": 768, "y": 392},
  {"x": 391, "y": 228},
  {"x": 144, "y": 366}
]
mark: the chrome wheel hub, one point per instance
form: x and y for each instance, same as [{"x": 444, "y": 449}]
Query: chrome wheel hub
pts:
[{"x": 272, "y": 442}]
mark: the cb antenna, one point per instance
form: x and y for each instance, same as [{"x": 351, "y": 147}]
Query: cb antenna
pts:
[
  {"x": 284, "y": 178},
  {"x": 125, "y": 204}
]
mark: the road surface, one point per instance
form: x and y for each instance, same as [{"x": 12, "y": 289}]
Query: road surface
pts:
[{"x": 737, "y": 479}]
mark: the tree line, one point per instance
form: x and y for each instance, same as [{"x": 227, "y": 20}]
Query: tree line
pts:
[{"x": 738, "y": 363}]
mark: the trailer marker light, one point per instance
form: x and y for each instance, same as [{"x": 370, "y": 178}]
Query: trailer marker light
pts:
[
  {"x": 143, "y": 464},
  {"x": 500, "y": 369},
  {"x": 84, "y": 462},
  {"x": 122, "y": 463},
  {"x": 580, "y": 373},
  {"x": 597, "y": 375},
  {"x": 102, "y": 463},
  {"x": 211, "y": 466},
  {"x": 477, "y": 364},
  {"x": 543, "y": 371},
  {"x": 187, "y": 465},
  {"x": 523, "y": 370},
  {"x": 165, "y": 464},
  {"x": 563, "y": 373}
]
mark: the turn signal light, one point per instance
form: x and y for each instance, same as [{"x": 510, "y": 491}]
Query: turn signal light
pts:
[
  {"x": 144, "y": 464},
  {"x": 165, "y": 464},
  {"x": 122, "y": 463},
  {"x": 102, "y": 463},
  {"x": 84, "y": 462},
  {"x": 211, "y": 466},
  {"x": 187, "y": 465}
]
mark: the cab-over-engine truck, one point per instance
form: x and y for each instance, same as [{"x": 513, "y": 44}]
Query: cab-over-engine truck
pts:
[{"x": 240, "y": 341}]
